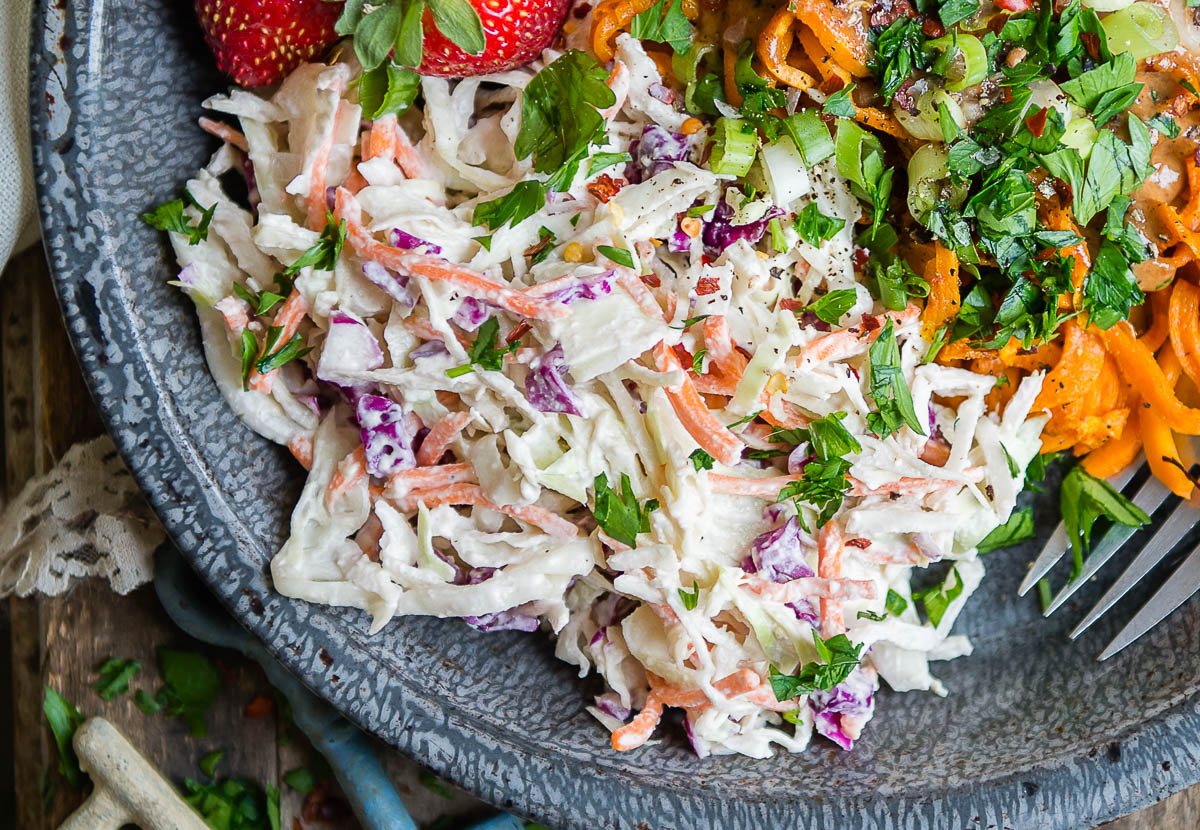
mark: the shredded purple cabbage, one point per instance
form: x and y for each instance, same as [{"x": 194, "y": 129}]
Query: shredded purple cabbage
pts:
[
  {"x": 719, "y": 233},
  {"x": 611, "y": 609},
  {"x": 778, "y": 555},
  {"x": 841, "y": 714},
  {"x": 586, "y": 288},
  {"x": 471, "y": 313},
  {"x": 657, "y": 150},
  {"x": 798, "y": 458},
  {"x": 395, "y": 286},
  {"x": 386, "y": 437},
  {"x": 428, "y": 349},
  {"x": 697, "y": 746},
  {"x": 511, "y": 620},
  {"x": 403, "y": 239},
  {"x": 546, "y": 384},
  {"x": 610, "y": 704}
]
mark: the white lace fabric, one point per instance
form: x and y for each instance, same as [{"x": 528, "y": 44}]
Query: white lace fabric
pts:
[{"x": 86, "y": 517}]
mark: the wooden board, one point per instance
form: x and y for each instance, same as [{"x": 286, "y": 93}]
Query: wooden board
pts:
[{"x": 45, "y": 409}]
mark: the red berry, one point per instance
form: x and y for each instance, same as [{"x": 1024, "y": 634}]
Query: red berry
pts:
[
  {"x": 258, "y": 42},
  {"x": 516, "y": 32}
]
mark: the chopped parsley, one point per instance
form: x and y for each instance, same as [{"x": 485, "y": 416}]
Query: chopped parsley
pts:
[
  {"x": 888, "y": 388},
  {"x": 937, "y": 599},
  {"x": 899, "y": 51},
  {"x": 617, "y": 255},
  {"x": 838, "y": 657},
  {"x": 698, "y": 361},
  {"x": 483, "y": 352},
  {"x": 664, "y": 22},
  {"x": 823, "y": 481},
  {"x": 690, "y": 598},
  {"x": 190, "y": 686},
  {"x": 525, "y": 199},
  {"x": 701, "y": 460},
  {"x": 274, "y": 357},
  {"x": 816, "y": 228},
  {"x": 171, "y": 217},
  {"x": 64, "y": 719},
  {"x": 1083, "y": 499},
  {"x": 324, "y": 253},
  {"x": 840, "y": 104},
  {"x": 830, "y": 308},
  {"x": 620, "y": 515},
  {"x": 300, "y": 779},
  {"x": 603, "y": 161},
  {"x": 1018, "y": 528},
  {"x": 115, "y": 675}
]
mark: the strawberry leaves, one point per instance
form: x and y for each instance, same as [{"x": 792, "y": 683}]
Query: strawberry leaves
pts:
[{"x": 399, "y": 26}]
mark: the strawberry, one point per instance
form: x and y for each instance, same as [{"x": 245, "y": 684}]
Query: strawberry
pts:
[
  {"x": 516, "y": 32},
  {"x": 258, "y": 42},
  {"x": 453, "y": 38}
]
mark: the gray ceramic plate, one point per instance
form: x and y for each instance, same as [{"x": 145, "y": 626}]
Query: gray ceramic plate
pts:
[{"x": 1035, "y": 734}]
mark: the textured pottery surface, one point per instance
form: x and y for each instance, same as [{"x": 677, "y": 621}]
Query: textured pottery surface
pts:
[{"x": 1035, "y": 733}]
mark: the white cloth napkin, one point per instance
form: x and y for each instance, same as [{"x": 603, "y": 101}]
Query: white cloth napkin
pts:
[{"x": 18, "y": 219}]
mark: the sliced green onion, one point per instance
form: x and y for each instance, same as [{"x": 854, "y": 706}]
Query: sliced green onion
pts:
[
  {"x": 853, "y": 145},
  {"x": 925, "y": 123},
  {"x": 811, "y": 135},
  {"x": 974, "y": 60},
  {"x": 1080, "y": 135},
  {"x": 735, "y": 144},
  {"x": 743, "y": 68},
  {"x": 1142, "y": 30},
  {"x": 778, "y": 240},
  {"x": 928, "y": 181},
  {"x": 686, "y": 66}
]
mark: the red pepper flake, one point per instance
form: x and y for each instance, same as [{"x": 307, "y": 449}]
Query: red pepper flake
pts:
[
  {"x": 1063, "y": 189},
  {"x": 708, "y": 285},
  {"x": 861, "y": 544},
  {"x": 260, "y": 707},
  {"x": 519, "y": 330},
  {"x": 1008, "y": 96},
  {"x": 788, "y": 304},
  {"x": 581, "y": 10},
  {"x": 832, "y": 84},
  {"x": 1015, "y": 6},
  {"x": 685, "y": 357},
  {"x": 1037, "y": 122},
  {"x": 904, "y": 99},
  {"x": 651, "y": 280},
  {"x": 861, "y": 256},
  {"x": 932, "y": 27},
  {"x": 870, "y": 323},
  {"x": 605, "y": 187}
]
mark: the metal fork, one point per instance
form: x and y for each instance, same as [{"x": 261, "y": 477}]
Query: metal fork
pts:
[{"x": 1184, "y": 582}]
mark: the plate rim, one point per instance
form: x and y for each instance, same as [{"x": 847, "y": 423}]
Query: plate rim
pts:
[{"x": 55, "y": 67}]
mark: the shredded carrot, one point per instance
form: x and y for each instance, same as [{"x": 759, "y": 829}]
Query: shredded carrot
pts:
[
  {"x": 1162, "y": 453},
  {"x": 834, "y": 589},
  {"x": 641, "y": 295},
  {"x": 427, "y": 478},
  {"x": 288, "y": 319},
  {"x": 906, "y": 485},
  {"x": 944, "y": 299},
  {"x": 762, "y": 488},
  {"x": 738, "y": 683},
  {"x": 729, "y": 361},
  {"x": 1181, "y": 232},
  {"x": 842, "y": 29},
  {"x": 842, "y": 343},
  {"x": 638, "y": 731},
  {"x": 1147, "y": 378},
  {"x": 829, "y": 566},
  {"x": 351, "y": 470},
  {"x": 468, "y": 281},
  {"x": 729, "y": 64},
  {"x": 773, "y": 46},
  {"x": 695, "y": 416},
  {"x": 383, "y": 139},
  {"x": 301, "y": 448},
  {"x": 1159, "y": 309},
  {"x": 440, "y": 435},
  {"x": 407, "y": 157},
  {"x": 472, "y": 494},
  {"x": 225, "y": 132},
  {"x": 318, "y": 201},
  {"x": 1184, "y": 326}
]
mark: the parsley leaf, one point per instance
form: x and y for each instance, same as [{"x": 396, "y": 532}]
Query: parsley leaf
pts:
[
  {"x": 839, "y": 657},
  {"x": 190, "y": 687},
  {"x": 895, "y": 604},
  {"x": 663, "y": 25},
  {"x": 272, "y": 360},
  {"x": 1083, "y": 498},
  {"x": 324, "y": 253},
  {"x": 938, "y": 598},
  {"x": 1018, "y": 528},
  {"x": 690, "y": 598},
  {"x": 956, "y": 11},
  {"x": 701, "y": 460},
  {"x": 249, "y": 353},
  {"x": 170, "y": 217},
  {"x": 831, "y": 307},
  {"x": 816, "y": 228},
  {"x": 698, "y": 361},
  {"x": 840, "y": 104},
  {"x": 617, "y": 255},
  {"x": 300, "y": 779},
  {"x": 619, "y": 514},
  {"x": 115, "y": 675},
  {"x": 888, "y": 388},
  {"x": 823, "y": 481},
  {"x": 603, "y": 161},
  {"x": 387, "y": 89},
  {"x": 483, "y": 351},
  {"x": 233, "y": 804},
  {"x": 525, "y": 199},
  {"x": 560, "y": 116},
  {"x": 208, "y": 764},
  {"x": 899, "y": 51},
  {"x": 1088, "y": 89},
  {"x": 64, "y": 719}
]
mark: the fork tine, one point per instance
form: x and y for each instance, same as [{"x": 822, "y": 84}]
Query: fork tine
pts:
[
  {"x": 1151, "y": 496},
  {"x": 1182, "y": 584},
  {"x": 1173, "y": 529},
  {"x": 1056, "y": 545}
]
